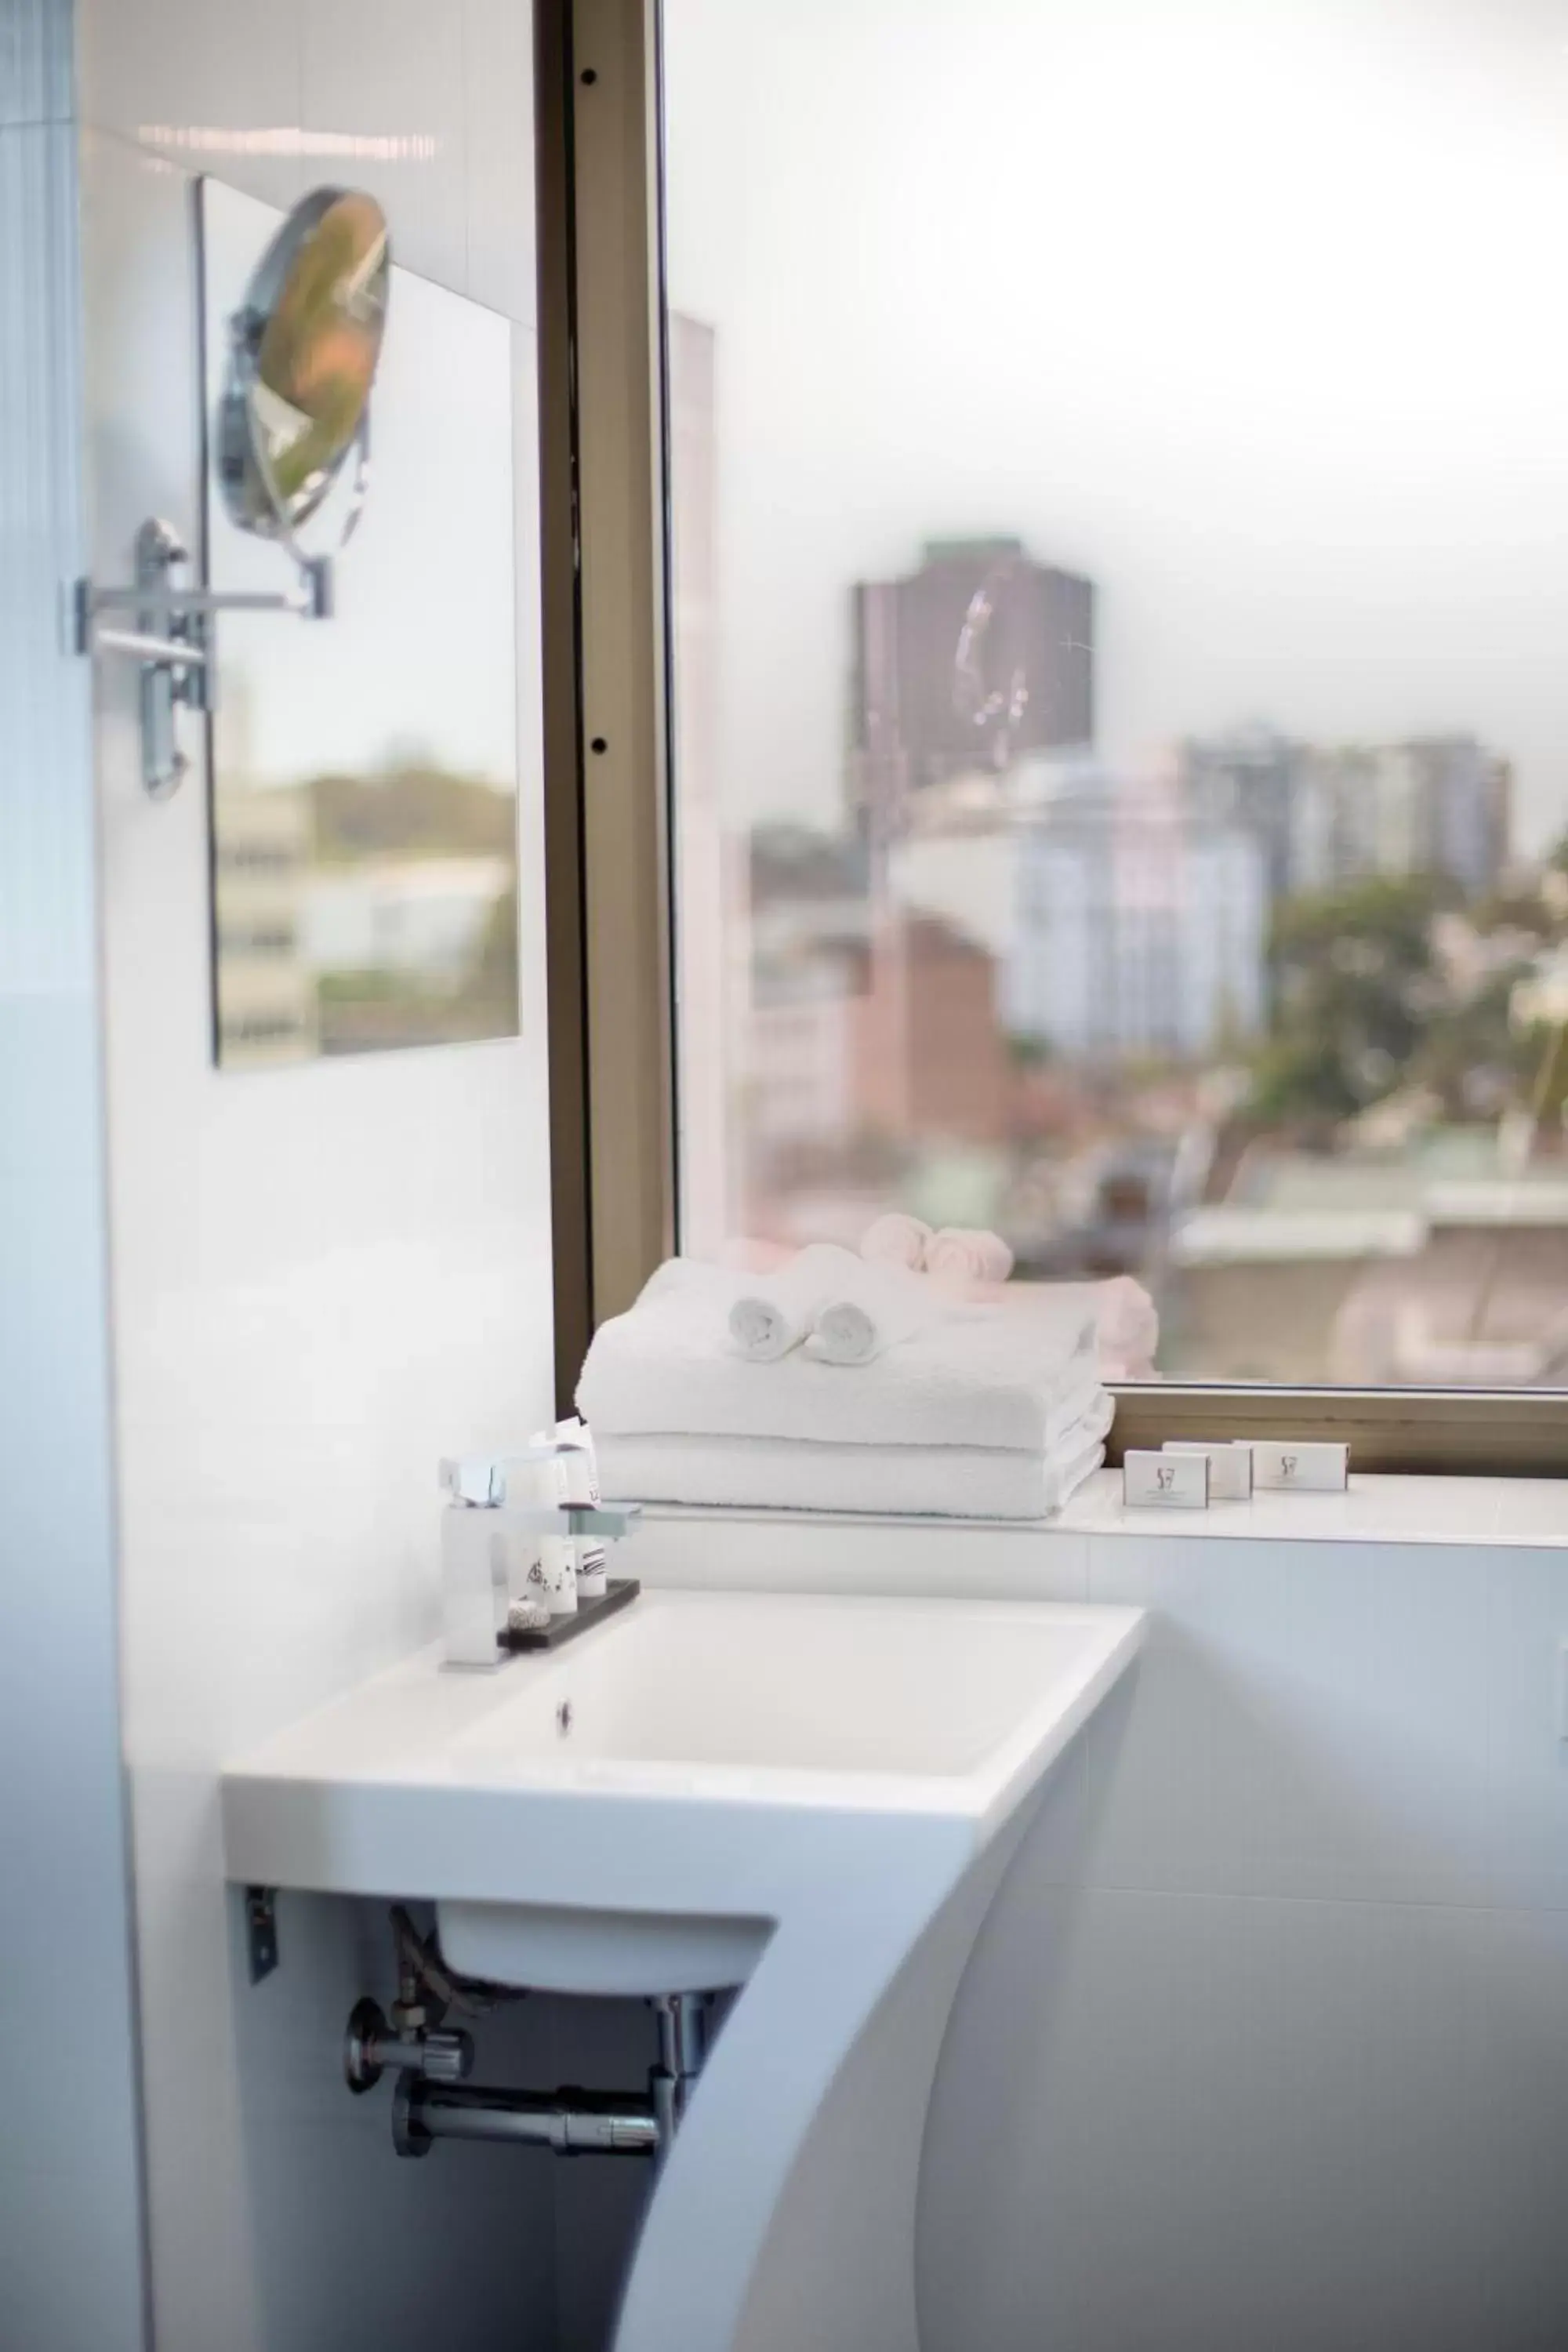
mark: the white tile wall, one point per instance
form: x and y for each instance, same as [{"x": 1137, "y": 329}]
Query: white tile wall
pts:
[
  {"x": 216, "y": 85},
  {"x": 69, "y": 2156},
  {"x": 395, "y": 68},
  {"x": 1267, "y": 2046},
  {"x": 323, "y": 1277},
  {"x": 1523, "y": 2127},
  {"x": 1312, "y": 1722},
  {"x": 1215, "y": 2125},
  {"x": 497, "y": 92},
  {"x": 429, "y": 107},
  {"x": 1527, "y": 1692}
]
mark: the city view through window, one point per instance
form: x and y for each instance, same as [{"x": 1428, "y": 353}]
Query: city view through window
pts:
[{"x": 1119, "y": 489}]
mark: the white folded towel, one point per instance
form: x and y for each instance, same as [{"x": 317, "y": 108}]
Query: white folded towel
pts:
[
  {"x": 665, "y": 1368},
  {"x": 957, "y": 1255},
  {"x": 895, "y": 1240},
  {"x": 772, "y": 1315},
  {"x": 949, "y": 1482}
]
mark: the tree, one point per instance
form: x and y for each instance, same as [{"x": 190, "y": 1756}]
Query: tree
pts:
[{"x": 1357, "y": 987}]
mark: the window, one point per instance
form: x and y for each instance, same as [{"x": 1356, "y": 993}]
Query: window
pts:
[{"x": 1118, "y": 477}]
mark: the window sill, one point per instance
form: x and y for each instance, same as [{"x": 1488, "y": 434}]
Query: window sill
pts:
[
  {"x": 1515, "y": 1514},
  {"x": 765, "y": 1552}
]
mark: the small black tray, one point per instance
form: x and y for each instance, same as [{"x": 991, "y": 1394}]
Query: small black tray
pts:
[{"x": 620, "y": 1591}]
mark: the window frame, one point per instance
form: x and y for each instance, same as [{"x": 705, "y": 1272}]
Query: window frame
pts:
[{"x": 614, "y": 1033}]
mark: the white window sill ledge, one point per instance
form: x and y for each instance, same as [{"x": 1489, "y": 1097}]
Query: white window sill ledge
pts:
[{"x": 1515, "y": 1514}]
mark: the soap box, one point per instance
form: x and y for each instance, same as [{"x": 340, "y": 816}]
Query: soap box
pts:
[
  {"x": 1165, "y": 1481},
  {"x": 1231, "y": 1467},
  {"x": 1313, "y": 1465}
]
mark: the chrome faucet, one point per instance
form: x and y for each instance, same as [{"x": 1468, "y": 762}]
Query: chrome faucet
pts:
[{"x": 478, "y": 1529}]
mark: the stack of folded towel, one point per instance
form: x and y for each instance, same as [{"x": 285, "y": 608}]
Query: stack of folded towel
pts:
[{"x": 844, "y": 1385}]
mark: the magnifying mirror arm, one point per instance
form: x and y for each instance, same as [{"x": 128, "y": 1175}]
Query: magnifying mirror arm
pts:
[
  {"x": 173, "y": 637},
  {"x": 305, "y": 342},
  {"x": 312, "y": 599}
]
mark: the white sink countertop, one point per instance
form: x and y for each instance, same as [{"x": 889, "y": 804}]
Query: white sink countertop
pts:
[{"x": 746, "y": 1708}]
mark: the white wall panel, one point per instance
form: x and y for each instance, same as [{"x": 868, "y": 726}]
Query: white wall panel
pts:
[
  {"x": 1524, "y": 1668},
  {"x": 70, "y": 2250},
  {"x": 387, "y": 76},
  {"x": 322, "y": 1275},
  {"x": 1265, "y": 2047},
  {"x": 1210, "y": 2124},
  {"x": 1310, "y": 1721}
]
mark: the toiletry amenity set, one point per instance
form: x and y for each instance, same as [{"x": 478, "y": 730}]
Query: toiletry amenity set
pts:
[
  {"x": 901, "y": 1379},
  {"x": 565, "y": 1570},
  {"x": 1189, "y": 1474}
]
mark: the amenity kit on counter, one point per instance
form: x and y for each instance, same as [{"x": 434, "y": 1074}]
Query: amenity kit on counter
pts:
[
  {"x": 846, "y": 1381},
  {"x": 564, "y": 1568},
  {"x": 1189, "y": 1474}
]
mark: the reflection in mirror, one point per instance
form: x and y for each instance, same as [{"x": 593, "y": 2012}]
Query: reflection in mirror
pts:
[
  {"x": 306, "y": 343},
  {"x": 364, "y": 775}
]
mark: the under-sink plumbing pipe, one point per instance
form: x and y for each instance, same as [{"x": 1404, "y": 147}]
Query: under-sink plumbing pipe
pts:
[
  {"x": 572, "y": 2122},
  {"x": 431, "y": 2101},
  {"x": 682, "y": 2019}
]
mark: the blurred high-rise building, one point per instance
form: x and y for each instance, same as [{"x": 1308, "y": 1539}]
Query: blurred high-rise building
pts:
[
  {"x": 1123, "y": 924},
  {"x": 1248, "y": 778},
  {"x": 979, "y": 658},
  {"x": 1325, "y": 814}
]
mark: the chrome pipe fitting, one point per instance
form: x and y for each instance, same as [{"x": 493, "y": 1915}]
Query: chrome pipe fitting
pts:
[
  {"x": 436, "y": 2053},
  {"x": 572, "y": 2122},
  {"x": 682, "y": 2021}
]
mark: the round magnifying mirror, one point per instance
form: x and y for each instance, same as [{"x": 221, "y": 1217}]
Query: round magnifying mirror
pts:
[{"x": 296, "y": 405}]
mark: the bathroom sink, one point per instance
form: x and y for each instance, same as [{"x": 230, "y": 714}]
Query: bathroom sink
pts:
[
  {"x": 625, "y": 1816},
  {"x": 812, "y": 1798},
  {"x": 761, "y": 1699}
]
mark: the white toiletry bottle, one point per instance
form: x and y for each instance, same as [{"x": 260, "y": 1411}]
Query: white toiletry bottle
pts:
[
  {"x": 557, "y": 1554},
  {"x": 583, "y": 1480}
]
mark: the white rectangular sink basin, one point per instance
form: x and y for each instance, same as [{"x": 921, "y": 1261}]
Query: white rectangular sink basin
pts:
[
  {"x": 742, "y": 1687},
  {"x": 638, "y": 1811}
]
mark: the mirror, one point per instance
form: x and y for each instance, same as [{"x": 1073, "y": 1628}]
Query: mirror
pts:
[{"x": 305, "y": 346}]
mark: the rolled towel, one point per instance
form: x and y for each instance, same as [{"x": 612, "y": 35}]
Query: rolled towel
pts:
[
  {"x": 1129, "y": 1321},
  {"x": 882, "y": 1305},
  {"x": 776, "y": 1315},
  {"x": 895, "y": 1240},
  {"x": 955, "y": 1255}
]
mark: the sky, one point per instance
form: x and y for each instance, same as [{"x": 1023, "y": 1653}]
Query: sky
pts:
[{"x": 1251, "y": 310}]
